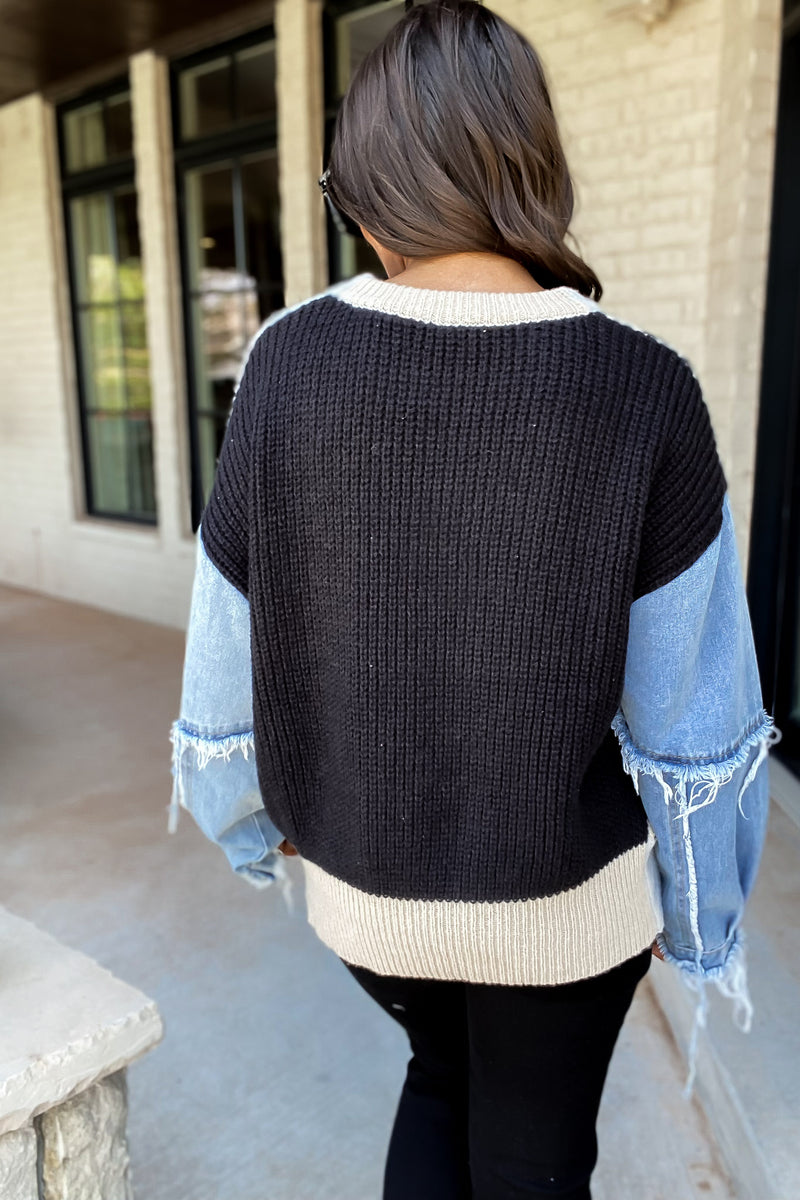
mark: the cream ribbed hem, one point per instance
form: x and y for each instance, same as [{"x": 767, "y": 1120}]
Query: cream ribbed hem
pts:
[
  {"x": 556, "y": 939},
  {"x": 440, "y": 307}
]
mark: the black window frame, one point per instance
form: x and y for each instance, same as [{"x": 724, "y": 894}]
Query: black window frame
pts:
[
  {"x": 119, "y": 172},
  {"x": 232, "y": 144},
  {"x": 773, "y": 577},
  {"x": 332, "y": 11}
]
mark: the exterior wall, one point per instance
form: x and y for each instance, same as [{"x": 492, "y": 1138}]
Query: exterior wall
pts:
[
  {"x": 34, "y": 436},
  {"x": 155, "y": 189},
  {"x": 669, "y": 131},
  {"x": 736, "y": 287},
  {"x": 298, "y": 82},
  {"x": 46, "y": 543}
]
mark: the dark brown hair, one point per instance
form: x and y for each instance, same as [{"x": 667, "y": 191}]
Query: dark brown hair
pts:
[{"x": 446, "y": 141}]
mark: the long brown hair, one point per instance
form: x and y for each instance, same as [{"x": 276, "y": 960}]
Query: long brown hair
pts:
[{"x": 446, "y": 141}]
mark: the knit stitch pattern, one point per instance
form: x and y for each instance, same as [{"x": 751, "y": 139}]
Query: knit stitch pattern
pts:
[{"x": 440, "y": 524}]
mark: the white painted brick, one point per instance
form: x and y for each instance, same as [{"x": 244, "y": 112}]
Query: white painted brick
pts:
[
  {"x": 694, "y": 180},
  {"x": 663, "y": 233},
  {"x": 658, "y": 103}
]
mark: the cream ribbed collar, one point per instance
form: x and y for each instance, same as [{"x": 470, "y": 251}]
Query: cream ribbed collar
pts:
[{"x": 440, "y": 307}]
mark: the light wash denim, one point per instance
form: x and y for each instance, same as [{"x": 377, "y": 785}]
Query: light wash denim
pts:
[
  {"x": 214, "y": 769},
  {"x": 693, "y": 733}
]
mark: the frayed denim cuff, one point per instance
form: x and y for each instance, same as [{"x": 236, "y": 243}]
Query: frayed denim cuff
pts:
[
  {"x": 227, "y": 807},
  {"x": 726, "y": 968}
]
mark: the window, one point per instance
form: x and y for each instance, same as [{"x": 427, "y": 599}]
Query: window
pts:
[
  {"x": 225, "y": 131},
  {"x": 350, "y": 28},
  {"x": 774, "y": 560},
  {"x": 107, "y": 292}
]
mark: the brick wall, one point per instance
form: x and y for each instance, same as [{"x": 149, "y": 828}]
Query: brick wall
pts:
[
  {"x": 669, "y": 131},
  {"x": 735, "y": 288}
]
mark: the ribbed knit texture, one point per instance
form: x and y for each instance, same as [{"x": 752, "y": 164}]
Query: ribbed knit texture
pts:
[
  {"x": 441, "y": 507},
  {"x": 554, "y": 939}
]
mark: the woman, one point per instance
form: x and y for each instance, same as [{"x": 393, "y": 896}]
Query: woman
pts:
[{"x": 467, "y": 584}]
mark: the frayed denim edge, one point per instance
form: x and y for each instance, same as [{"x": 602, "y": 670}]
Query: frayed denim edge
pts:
[
  {"x": 203, "y": 749},
  {"x": 731, "y": 976},
  {"x": 188, "y": 744},
  {"x": 710, "y": 775},
  {"x": 730, "y": 979}
]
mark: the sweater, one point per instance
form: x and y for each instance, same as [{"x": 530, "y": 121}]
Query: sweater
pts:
[{"x": 479, "y": 555}]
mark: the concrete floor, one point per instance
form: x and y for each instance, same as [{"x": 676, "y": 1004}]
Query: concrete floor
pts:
[{"x": 277, "y": 1078}]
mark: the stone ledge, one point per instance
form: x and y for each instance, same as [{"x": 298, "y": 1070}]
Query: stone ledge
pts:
[{"x": 67, "y": 1022}]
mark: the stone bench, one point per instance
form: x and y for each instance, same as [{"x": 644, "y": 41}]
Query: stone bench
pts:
[{"x": 68, "y": 1030}]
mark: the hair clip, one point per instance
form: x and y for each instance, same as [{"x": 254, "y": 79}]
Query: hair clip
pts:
[{"x": 338, "y": 219}]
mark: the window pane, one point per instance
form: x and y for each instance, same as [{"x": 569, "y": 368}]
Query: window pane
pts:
[
  {"x": 210, "y": 432},
  {"x": 262, "y": 217},
  {"x": 205, "y": 98},
  {"x": 141, "y": 483},
  {"x": 84, "y": 137},
  {"x": 231, "y": 230},
  {"x": 107, "y": 288},
  {"x": 103, "y": 364},
  {"x": 121, "y": 459},
  {"x": 107, "y": 459},
  {"x": 358, "y": 32},
  {"x": 98, "y": 133},
  {"x": 223, "y": 325},
  {"x": 126, "y": 221},
  {"x": 255, "y": 82},
  {"x": 210, "y": 235},
  {"x": 118, "y": 126},
  {"x": 93, "y": 249},
  {"x": 136, "y": 355},
  {"x": 251, "y": 315},
  {"x": 221, "y": 332}
]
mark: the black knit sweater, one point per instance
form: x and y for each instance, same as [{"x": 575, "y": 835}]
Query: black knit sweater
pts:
[{"x": 441, "y": 507}]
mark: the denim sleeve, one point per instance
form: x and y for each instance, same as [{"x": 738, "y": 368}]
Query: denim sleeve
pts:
[
  {"x": 213, "y": 759},
  {"x": 694, "y": 736}
]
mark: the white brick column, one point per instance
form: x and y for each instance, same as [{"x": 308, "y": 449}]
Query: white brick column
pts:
[
  {"x": 669, "y": 133},
  {"x": 739, "y": 244},
  {"x": 299, "y": 82},
  {"x": 37, "y": 411},
  {"x": 152, "y": 141}
]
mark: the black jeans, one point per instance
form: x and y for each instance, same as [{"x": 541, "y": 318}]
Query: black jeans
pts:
[{"x": 503, "y": 1087}]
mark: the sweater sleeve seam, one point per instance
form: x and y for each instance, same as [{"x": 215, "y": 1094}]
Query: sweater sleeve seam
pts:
[{"x": 752, "y": 732}]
